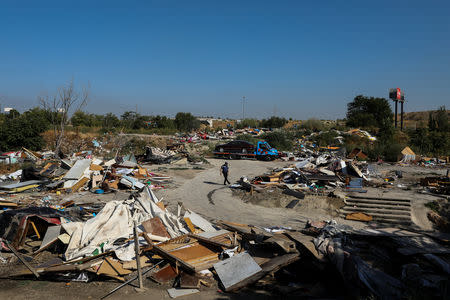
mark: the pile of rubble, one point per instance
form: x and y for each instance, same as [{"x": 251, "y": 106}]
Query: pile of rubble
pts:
[
  {"x": 81, "y": 172},
  {"x": 139, "y": 236}
]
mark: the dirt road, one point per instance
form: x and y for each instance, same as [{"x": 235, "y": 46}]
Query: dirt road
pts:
[{"x": 206, "y": 195}]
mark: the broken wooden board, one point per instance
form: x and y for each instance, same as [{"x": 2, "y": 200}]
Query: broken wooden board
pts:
[
  {"x": 112, "y": 268},
  {"x": 236, "y": 269},
  {"x": 190, "y": 225},
  {"x": 78, "y": 185},
  {"x": 283, "y": 242},
  {"x": 194, "y": 253},
  {"x": 156, "y": 227},
  {"x": 5, "y": 203},
  {"x": 271, "y": 266},
  {"x": 307, "y": 242},
  {"x": 359, "y": 216},
  {"x": 164, "y": 275},
  {"x": 131, "y": 265},
  {"x": 189, "y": 281}
]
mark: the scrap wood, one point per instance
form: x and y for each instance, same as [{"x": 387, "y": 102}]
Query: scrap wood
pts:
[
  {"x": 19, "y": 256},
  {"x": 112, "y": 268},
  {"x": 283, "y": 242},
  {"x": 190, "y": 225},
  {"x": 70, "y": 267},
  {"x": 306, "y": 242},
  {"x": 156, "y": 227},
  {"x": 211, "y": 242},
  {"x": 165, "y": 274},
  {"x": 165, "y": 254},
  {"x": 136, "y": 251},
  {"x": 189, "y": 281},
  {"x": 131, "y": 265},
  {"x": 131, "y": 280},
  {"x": 359, "y": 216},
  {"x": 247, "y": 231},
  {"x": 273, "y": 265},
  {"x": 7, "y": 203}
]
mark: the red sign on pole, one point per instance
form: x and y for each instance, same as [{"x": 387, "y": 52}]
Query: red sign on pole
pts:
[{"x": 399, "y": 94}]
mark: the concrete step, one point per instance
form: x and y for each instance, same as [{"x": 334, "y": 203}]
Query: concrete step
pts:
[
  {"x": 369, "y": 211},
  {"x": 371, "y": 201},
  {"x": 379, "y": 198},
  {"x": 385, "y": 220},
  {"x": 382, "y": 206}
]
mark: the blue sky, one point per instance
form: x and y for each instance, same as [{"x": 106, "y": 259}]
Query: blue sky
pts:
[{"x": 298, "y": 59}]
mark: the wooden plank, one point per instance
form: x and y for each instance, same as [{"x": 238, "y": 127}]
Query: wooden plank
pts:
[
  {"x": 19, "y": 256},
  {"x": 156, "y": 227},
  {"x": 163, "y": 253},
  {"x": 211, "y": 242},
  {"x": 35, "y": 229},
  {"x": 190, "y": 225},
  {"x": 193, "y": 252},
  {"x": 165, "y": 274},
  {"x": 80, "y": 183},
  {"x": 189, "y": 281},
  {"x": 271, "y": 266}
]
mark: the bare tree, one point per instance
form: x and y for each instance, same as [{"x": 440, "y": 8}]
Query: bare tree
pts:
[{"x": 61, "y": 106}]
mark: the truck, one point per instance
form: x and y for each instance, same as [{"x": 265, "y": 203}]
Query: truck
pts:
[{"x": 243, "y": 149}]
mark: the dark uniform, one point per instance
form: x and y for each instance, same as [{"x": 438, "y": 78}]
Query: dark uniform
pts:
[{"x": 224, "y": 171}]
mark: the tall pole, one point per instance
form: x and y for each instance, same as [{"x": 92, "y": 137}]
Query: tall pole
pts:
[
  {"x": 138, "y": 258},
  {"x": 243, "y": 109},
  {"x": 401, "y": 115},
  {"x": 396, "y": 102}
]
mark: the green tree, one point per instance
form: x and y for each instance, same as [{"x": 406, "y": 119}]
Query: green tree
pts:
[
  {"x": 252, "y": 123},
  {"x": 12, "y": 114},
  {"x": 280, "y": 140},
  {"x": 80, "y": 118},
  {"x": 273, "y": 122},
  {"x": 186, "y": 122},
  {"x": 313, "y": 124},
  {"x": 110, "y": 120},
  {"x": 163, "y": 122},
  {"x": 442, "y": 120},
  {"x": 128, "y": 118},
  {"x": 371, "y": 113},
  {"x": 24, "y": 130}
]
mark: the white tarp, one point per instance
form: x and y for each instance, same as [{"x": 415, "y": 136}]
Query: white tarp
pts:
[{"x": 114, "y": 221}]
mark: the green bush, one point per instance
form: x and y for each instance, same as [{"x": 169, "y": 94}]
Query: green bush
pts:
[
  {"x": 281, "y": 140},
  {"x": 247, "y": 137}
]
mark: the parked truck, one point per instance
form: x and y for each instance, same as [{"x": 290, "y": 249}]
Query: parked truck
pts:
[{"x": 243, "y": 149}]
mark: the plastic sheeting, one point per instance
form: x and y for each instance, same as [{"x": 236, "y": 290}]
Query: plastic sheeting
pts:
[{"x": 115, "y": 221}]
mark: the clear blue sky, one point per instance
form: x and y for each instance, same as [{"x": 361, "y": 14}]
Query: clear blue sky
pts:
[{"x": 301, "y": 59}]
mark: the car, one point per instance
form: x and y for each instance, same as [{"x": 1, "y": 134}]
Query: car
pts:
[{"x": 236, "y": 147}]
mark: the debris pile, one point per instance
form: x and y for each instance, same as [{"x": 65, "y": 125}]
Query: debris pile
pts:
[{"x": 388, "y": 263}]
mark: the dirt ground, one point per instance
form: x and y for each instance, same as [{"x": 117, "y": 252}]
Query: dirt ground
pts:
[{"x": 201, "y": 189}]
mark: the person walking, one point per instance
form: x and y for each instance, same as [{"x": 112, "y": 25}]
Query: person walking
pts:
[{"x": 224, "y": 171}]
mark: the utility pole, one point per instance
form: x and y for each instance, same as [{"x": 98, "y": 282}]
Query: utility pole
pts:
[
  {"x": 243, "y": 107},
  {"x": 396, "y": 102}
]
